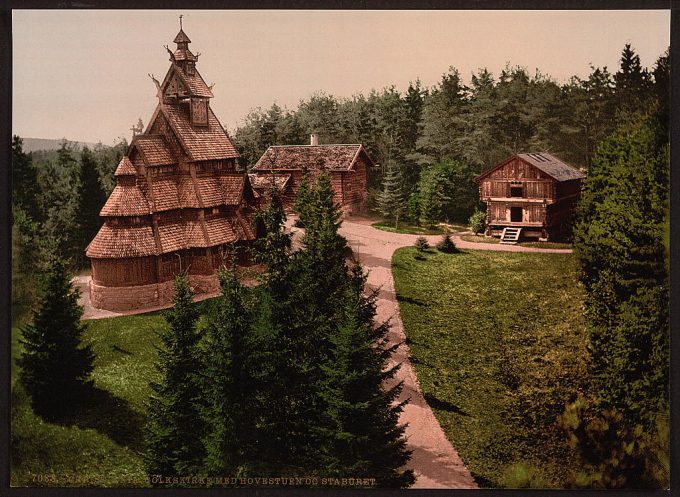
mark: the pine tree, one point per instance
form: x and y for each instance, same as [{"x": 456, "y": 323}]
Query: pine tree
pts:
[
  {"x": 273, "y": 248},
  {"x": 302, "y": 200},
  {"x": 391, "y": 203},
  {"x": 91, "y": 199},
  {"x": 433, "y": 196},
  {"x": 325, "y": 249},
  {"x": 632, "y": 87},
  {"x": 619, "y": 240},
  {"x": 365, "y": 438},
  {"x": 55, "y": 365},
  {"x": 228, "y": 383},
  {"x": 174, "y": 431},
  {"x": 25, "y": 187},
  {"x": 60, "y": 204}
]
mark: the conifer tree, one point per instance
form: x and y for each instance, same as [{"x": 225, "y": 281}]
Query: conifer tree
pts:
[
  {"x": 633, "y": 86},
  {"x": 174, "y": 431},
  {"x": 391, "y": 202},
  {"x": 91, "y": 199},
  {"x": 365, "y": 438},
  {"x": 620, "y": 242},
  {"x": 55, "y": 365},
  {"x": 228, "y": 383},
  {"x": 25, "y": 186},
  {"x": 302, "y": 200},
  {"x": 273, "y": 248}
]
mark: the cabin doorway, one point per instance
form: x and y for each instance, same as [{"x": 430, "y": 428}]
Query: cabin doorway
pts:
[{"x": 515, "y": 214}]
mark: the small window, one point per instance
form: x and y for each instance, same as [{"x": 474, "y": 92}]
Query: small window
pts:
[{"x": 516, "y": 191}]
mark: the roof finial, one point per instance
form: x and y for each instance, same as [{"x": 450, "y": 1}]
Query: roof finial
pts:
[{"x": 180, "y": 21}]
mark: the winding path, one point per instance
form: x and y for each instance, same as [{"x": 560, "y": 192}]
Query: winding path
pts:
[{"x": 435, "y": 461}]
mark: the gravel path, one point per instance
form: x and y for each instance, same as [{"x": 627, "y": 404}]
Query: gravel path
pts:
[{"x": 434, "y": 460}]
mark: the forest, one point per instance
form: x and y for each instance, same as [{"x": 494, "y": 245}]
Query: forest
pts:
[{"x": 430, "y": 143}]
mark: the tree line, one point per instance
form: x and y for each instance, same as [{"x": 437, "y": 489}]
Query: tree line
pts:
[
  {"x": 287, "y": 379},
  {"x": 436, "y": 140},
  {"x": 620, "y": 427}
]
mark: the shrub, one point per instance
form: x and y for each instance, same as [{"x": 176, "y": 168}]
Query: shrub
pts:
[
  {"x": 522, "y": 475},
  {"x": 421, "y": 244},
  {"x": 477, "y": 222},
  {"x": 446, "y": 245},
  {"x": 613, "y": 454}
]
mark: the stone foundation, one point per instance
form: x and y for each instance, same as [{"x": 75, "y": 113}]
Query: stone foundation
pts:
[{"x": 127, "y": 298}]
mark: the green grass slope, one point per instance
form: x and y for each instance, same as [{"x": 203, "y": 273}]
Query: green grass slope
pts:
[{"x": 498, "y": 343}]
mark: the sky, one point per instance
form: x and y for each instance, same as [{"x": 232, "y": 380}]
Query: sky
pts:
[{"x": 83, "y": 75}]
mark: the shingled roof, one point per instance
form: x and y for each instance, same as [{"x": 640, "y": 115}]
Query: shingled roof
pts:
[
  {"x": 552, "y": 166},
  {"x": 312, "y": 157},
  {"x": 122, "y": 242},
  {"x": 200, "y": 142},
  {"x": 125, "y": 200},
  {"x": 549, "y": 164},
  {"x": 265, "y": 182},
  {"x": 154, "y": 149},
  {"x": 125, "y": 168},
  {"x": 137, "y": 218}
]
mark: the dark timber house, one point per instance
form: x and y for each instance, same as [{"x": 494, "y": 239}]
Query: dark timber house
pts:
[
  {"x": 180, "y": 201},
  {"x": 530, "y": 196},
  {"x": 284, "y": 166}
]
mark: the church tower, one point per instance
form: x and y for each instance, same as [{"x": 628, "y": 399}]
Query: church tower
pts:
[{"x": 180, "y": 203}]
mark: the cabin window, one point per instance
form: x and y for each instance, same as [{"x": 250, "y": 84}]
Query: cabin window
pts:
[
  {"x": 515, "y": 214},
  {"x": 516, "y": 191}
]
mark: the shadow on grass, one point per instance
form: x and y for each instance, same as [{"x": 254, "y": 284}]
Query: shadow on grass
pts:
[
  {"x": 117, "y": 348},
  {"x": 411, "y": 300},
  {"x": 443, "y": 405},
  {"x": 109, "y": 415}
]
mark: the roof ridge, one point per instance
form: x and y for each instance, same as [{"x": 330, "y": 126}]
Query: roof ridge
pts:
[{"x": 320, "y": 145}]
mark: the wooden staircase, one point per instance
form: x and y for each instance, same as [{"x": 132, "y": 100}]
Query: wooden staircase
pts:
[{"x": 510, "y": 236}]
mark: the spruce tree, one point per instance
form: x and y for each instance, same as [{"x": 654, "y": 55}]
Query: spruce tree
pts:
[
  {"x": 391, "y": 202},
  {"x": 365, "y": 439},
  {"x": 228, "y": 383},
  {"x": 25, "y": 186},
  {"x": 619, "y": 240},
  {"x": 55, "y": 365},
  {"x": 632, "y": 89},
  {"x": 302, "y": 200},
  {"x": 90, "y": 200},
  {"x": 174, "y": 430},
  {"x": 273, "y": 248}
]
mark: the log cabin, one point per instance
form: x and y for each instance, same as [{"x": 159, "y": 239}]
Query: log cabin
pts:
[
  {"x": 180, "y": 203},
  {"x": 283, "y": 167},
  {"x": 530, "y": 196}
]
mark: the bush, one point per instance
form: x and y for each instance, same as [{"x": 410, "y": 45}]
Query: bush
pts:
[
  {"x": 446, "y": 245},
  {"x": 421, "y": 244},
  {"x": 522, "y": 475},
  {"x": 477, "y": 222},
  {"x": 613, "y": 454}
]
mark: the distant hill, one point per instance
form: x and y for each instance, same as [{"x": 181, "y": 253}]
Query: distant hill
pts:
[{"x": 33, "y": 144}]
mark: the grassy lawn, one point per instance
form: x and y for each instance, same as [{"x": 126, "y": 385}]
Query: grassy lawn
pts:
[
  {"x": 102, "y": 445},
  {"x": 412, "y": 229},
  {"x": 498, "y": 342}
]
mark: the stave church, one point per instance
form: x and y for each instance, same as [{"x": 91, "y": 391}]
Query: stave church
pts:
[{"x": 180, "y": 203}]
